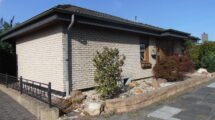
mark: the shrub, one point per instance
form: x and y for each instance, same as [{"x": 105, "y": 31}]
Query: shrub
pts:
[
  {"x": 203, "y": 54},
  {"x": 207, "y": 52},
  {"x": 208, "y": 61},
  {"x": 207, "y": 48},
  {"x": 193, "y": 52},
  {"x": 108, "y": 65},
  {"x": 173, "y": 68}
]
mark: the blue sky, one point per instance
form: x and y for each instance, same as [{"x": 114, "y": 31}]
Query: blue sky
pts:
[{"x": 192, "y": 16}]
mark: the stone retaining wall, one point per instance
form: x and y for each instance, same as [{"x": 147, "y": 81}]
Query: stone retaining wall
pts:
[
  {"x": 39, "y": 109},
  {"x": 146, "y": 99}
]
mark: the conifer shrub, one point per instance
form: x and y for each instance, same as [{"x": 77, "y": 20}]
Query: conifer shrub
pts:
[
  {"x": 108, "y": 64},
  {"x": 173, "y": 68}
]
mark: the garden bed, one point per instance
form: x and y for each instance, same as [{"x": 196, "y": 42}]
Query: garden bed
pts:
[
  {"x": 129, "y": 100},
  {"x": 150, "y": 97}
]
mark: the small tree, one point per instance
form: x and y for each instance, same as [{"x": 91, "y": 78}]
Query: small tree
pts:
[
  {"x": 173, "y": 68},
  {"x": 108, "y": 71},
  {"x": 7, "y": 54}
]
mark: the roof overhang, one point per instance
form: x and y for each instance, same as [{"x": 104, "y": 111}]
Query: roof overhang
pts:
[
  {"x": 54, "y": 14},
  {"x": 30, "y": 27}
]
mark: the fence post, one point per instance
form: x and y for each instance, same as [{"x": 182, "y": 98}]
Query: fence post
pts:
[
  {"x": 6, "y": 79},
  {"x": 21, "y": 85},
  {"x": 49, "y": 94}
]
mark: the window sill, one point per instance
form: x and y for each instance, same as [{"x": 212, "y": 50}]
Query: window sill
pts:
[{"x": 146, "y": 65}]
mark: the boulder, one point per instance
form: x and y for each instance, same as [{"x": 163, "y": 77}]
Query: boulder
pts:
[
  {"x": 213, "y": 74},
  {"x": 202, "y": 71},
  {"x": 161, "y": 80},
  {"x": 136, "y": 91},
  {"x": 124, "y": 96},
  {"x": 155, "y": 83},
  {"x": 75, "y": 93},
  {"x": 144, "y": 85},
  {"x": 133, "y": 84},
  {"x": 94, "y": 108},
  {"x": 209, "y": 75},
  {"x": 149, "y": 82}
]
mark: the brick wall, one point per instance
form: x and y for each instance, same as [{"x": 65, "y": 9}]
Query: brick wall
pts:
[
  {"x": 40, "y": 56},
  {"x": 87, "y": 40}
]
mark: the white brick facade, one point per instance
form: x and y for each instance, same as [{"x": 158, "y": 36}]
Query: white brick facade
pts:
[
  {"x": 87, "y": 40},
  {"x": 40, "y": 56}
]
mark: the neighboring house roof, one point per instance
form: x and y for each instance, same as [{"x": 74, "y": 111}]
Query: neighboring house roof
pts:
[{"x": 86, "y": 16}]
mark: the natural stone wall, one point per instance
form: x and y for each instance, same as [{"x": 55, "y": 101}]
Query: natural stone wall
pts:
[{"x": 143, "y": 100}]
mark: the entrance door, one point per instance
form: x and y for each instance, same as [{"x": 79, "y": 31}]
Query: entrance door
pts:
[{"x": 164, "y": 48}]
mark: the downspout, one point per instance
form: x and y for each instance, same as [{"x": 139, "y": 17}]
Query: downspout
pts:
[{"x": 68, "y": 55}]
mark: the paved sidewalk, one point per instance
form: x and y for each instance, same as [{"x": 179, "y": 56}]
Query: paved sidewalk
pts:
[
  {"x": 197, "y": 104},
  {"x": 11, "y": 110}
]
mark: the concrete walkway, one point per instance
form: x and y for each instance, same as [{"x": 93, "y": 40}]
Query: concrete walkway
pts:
[
  {"x": 11, "y": 110},
  {"x": 197, "y": 104}
]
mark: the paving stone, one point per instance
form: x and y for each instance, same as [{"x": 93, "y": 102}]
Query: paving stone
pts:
[
  {"x": 166, "y": 112},
  {"x": 161, "y": 115},
  {"x": 186, "y": 101},
  {"x": 174, "y": 119},
  {"x": 171, "y": 110},
  {"x": 188, "y": 116},
  {"x": 199, "y": 110},
  {"x": 11, "y": 110},
  {"x": 212, "y": 85},
  {"x": 209, "y": 100},
  {"x": 205, "y": 90}
]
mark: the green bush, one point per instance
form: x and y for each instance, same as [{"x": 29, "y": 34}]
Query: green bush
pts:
[
  {"x": 108, "y": 65},
  {"x": 208, "y": 61},
  {"x": 173, "y": 68},
  {"x": 206, "y": 55},
  {"x": 207, "y": 48},
  {"x": 193, "y": 52},
  {"x": 201, "y": 54}
]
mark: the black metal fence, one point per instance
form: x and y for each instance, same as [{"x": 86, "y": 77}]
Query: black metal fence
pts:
[{"x": 40, "y": 91}]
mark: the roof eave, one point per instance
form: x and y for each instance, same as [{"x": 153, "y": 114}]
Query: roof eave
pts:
[
  {"x": 30, "y": 27},
  {"x": 37, "y": 17},
  {"x": 103, "y": 19},
  {"x": 99, "y": 21}
]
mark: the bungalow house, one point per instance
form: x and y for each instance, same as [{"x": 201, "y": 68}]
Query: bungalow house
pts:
[{"x": 59, "y": 44}]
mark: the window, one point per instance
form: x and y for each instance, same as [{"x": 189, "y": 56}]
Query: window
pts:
[{"x": 144, "y": 52}]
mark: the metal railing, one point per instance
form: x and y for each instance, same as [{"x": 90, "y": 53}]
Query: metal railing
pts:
[{"x": 40, "y": 91}]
